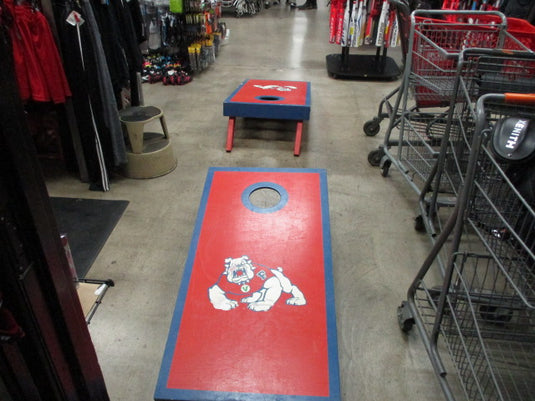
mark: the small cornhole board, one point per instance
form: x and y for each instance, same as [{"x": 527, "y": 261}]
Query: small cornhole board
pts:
[
  {"x": 268, "y": 99},
  {"x": 255, "y": 315}
]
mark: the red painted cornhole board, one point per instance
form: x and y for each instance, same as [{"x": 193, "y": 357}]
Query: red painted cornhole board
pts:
[
  {"x": 254, "y": 343},
  {"x": 261, "y": 98}
]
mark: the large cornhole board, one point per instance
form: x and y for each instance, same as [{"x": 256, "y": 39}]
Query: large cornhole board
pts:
[
  {"x": 268, "y": 99},
  {"x": 255, "y": 315}
]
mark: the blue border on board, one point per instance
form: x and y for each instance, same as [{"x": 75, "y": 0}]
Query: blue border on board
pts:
[
  {"x": 273, "y": 111},
  {"x": 162, "y": 393}
]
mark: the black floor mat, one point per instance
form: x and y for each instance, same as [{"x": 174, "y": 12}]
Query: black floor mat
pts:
[{"x": 88, "y": 224}]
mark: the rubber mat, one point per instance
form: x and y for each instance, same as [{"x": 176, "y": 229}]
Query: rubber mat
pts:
[
  {"x": 255, "y": 316},
  {"x": 88, "y": 223}
]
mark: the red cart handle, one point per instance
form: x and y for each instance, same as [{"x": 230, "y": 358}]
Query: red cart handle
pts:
[{"x": 520, "y": 98}]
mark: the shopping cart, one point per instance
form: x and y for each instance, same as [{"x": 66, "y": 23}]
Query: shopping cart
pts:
[
  {"x": 413, "y": 140},
  {"x": 521, "y": 30},
  {"x": 479, "y": 71},
  {"x": 521, "y": 36},
  {"x": 482, "y": 312},
  {"x": 386, "y": 108}
]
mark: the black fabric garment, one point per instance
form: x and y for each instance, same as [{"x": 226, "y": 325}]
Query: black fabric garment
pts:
[
  {"x": 128, "y": 36},
  {"x": 82, "y": 75},
  {"x": 137, "y": 20},
  {"x": 120, "y": 45},
  {"x": 523, "y": 9},
  {"x": 108, "y": 61},
  {"x": 130, "y": 46},
  {"x": 111, "y": 66},
  {"x": 108, "y": 25},
  {"x": 108, "y": 101},
  {"x": 425, "y": 4}
]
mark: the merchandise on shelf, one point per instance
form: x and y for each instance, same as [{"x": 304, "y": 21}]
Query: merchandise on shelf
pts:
[
  {"x": 354, "y": 23},
  {"x": 165, "y": 69},
  {"x": 187, "y": 31},
  {"x": 243, "y": 7}
]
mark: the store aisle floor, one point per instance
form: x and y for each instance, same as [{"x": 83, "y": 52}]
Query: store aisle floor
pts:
[{"x": 376, "y": 251}]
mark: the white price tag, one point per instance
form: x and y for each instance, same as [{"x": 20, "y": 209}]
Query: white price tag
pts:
[{"x": 75, "y": 18}]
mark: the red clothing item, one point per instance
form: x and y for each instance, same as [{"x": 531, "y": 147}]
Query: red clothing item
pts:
[{"x": 39, "y": 68}]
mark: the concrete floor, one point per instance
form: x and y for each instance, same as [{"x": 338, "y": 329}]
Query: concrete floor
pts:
[{"x": 376, "y": 251}]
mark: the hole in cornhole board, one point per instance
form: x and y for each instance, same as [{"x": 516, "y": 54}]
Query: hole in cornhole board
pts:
[
  {"x": 269, "y": 98},
  {"x": 265, "y": 198}
]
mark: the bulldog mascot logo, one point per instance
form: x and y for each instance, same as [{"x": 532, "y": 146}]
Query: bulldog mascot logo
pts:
[{"x": 241, "y": 281}]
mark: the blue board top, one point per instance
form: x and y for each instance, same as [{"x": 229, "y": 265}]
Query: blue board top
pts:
[{"x": 286, "y": 100}]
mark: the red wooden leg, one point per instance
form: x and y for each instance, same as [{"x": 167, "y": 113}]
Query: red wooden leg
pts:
[
  {"x": 298, "y": 134},
  {"x": 230, "y": 133}
]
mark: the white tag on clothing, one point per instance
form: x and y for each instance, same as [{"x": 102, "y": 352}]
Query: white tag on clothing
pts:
[{"x": 75, "y": 18}]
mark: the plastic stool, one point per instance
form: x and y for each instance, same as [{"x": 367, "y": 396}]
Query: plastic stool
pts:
[
  {"x": 151, "y": 154},
  {"x": 135, "y": 118}
]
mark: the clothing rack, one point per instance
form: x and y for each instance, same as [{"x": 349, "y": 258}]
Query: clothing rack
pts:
[
  {"x": 352, "y": 66},
  {"x": 363, "y": 22}
]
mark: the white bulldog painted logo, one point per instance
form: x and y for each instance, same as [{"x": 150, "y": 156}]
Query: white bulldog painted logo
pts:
[
  {"x": 260, "y": 289},
  {"x": 286, "y": 88}
]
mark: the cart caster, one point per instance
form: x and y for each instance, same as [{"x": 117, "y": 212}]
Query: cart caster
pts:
[
  {"x": 405, "y": 318},
  {"x": 372, "y": 127},
  {"x": 385, "y": 167},
  {"x": 375, "y": 157},
  {"x": 419, "y": 224}
]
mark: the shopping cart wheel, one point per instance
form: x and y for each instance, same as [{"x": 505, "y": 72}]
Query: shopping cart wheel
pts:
[
  {"x": 419, "y": 224},
  {"x": 372, "y": 127},
  {"x": 385, "y": 167},
  {"x": 375, "y": 157},
  {"x": 405, "y": 318}
]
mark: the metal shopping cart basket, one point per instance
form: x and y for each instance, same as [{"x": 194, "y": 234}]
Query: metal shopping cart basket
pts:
[
  {"x": 479, "y": 71},
  {"x": 433, "y": 46},
  {"x": 482, "y": 312},
  {"x": 371, "y": 127},
  {"x": 413, "y": 141},
  {"x": 521, "y": 36}
]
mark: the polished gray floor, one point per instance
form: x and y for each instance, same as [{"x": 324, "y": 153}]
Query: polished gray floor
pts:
[{"x": 376, "y": 251}]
